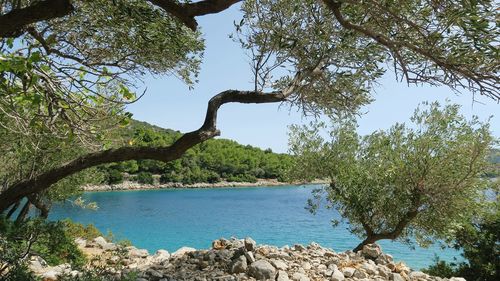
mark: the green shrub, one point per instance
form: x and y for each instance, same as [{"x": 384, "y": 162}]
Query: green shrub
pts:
[
  {"x": 212, "y": 177},
  {"x": 18, "y": 273},
  {"x": 170, "y": 177},
  {"x": 75, "y": 230},
  {"x": 37, "y": 236},
  {"x": 145, "y": 178},
  {"x": 441, "y": 268},
  {"x": 130, "y": 167},
  {"x": 242, "y": 178},
  {"x": 480, "y": 243},
  {"x": 114, "y": 177}
]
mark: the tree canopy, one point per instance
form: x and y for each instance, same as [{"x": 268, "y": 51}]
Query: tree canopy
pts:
[
  {"x": 419, "y": 181},
  {"x": 68, "y": 68}
]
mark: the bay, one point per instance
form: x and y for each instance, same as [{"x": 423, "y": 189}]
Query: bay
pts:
[{"x": 172, "y": 218}]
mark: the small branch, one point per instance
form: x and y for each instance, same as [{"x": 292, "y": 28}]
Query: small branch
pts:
[{"x": 485, "y": 83}]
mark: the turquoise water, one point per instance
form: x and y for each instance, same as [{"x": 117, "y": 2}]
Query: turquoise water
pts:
[{"x": 170, "y": 219}]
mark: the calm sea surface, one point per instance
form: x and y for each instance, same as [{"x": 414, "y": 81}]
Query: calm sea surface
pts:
[{"x": 170, "y": 219}]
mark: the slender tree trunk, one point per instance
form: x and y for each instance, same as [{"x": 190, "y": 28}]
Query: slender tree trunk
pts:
[
  {"x": 13, "y": 209},
  {"x": 24, "y": 212}
]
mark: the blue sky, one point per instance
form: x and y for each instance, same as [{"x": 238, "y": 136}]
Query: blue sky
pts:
[{"x": 170, "y": 104}]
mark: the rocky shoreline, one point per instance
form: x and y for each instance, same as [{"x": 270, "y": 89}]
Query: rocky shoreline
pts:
[
  {"x": 239, "y": 259},
  {"x": 130, "y": 185}
]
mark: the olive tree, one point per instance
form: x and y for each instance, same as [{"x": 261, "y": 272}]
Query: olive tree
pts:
[
  {"x": 419, "y": 180},
  {"x": 70, "y": 64}
]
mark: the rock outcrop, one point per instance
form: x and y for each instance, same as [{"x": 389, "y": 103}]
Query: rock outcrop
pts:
[{"x": 243, "y": 259}]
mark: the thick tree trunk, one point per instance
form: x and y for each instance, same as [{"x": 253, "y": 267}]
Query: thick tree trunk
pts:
[
  {"x": 368, "y": 240},
  {"x": 13, "y": 23},
  {"x": 373, "y": 237},
  {"x": 186, "y": 12}
]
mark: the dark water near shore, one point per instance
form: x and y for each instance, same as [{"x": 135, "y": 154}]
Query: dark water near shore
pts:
[{"x": 170, "y": 219}]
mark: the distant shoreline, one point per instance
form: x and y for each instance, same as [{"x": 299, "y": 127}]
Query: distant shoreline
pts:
[{"x": 129, "y": 185}]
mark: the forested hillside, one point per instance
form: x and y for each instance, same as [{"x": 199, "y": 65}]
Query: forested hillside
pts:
[{"x": 211, "y": 161}]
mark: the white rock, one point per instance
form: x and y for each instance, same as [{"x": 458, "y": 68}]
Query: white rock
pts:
[
  {"x": 332, "y": 267},
  {"x": 371, "y": 251},
  {"x": 50, "y": 275},
  {"x": 321, "y": 267},
  {"x": 415, "y": 275},
  {"x": 250, "y": 257},
  {"x": 384, "y": 271},
  {"x": 348, "y": 271},
  {"x": 240, "y": 265},
  {"x": 282, "y": 276},
  {"x": 397, "y": 277},
  {"x": 109, "y": 247},
  {"x": 100, "y": 241},
  {"x": 37, "y": 264},
  {"x": 161, "y": 256},
  {"x": 280, "y": 265},
  {"x": 250, "y": 244},
  {"x": 457, "y": 279},
  {"x": 262, "y": 270},
  {"x": 384, "y": 259},
  {"x": 306, "y": 265},
  {"x": 300, "y": 277},
  {"x": 337, "y": 275},
  {"x": 138, "y": 253},
  {"x": 80, "y": 242},
  {"x": 369, "y": 268},
  {"x": 359, "y": 274},
  {"x": 183, "y": 250}
]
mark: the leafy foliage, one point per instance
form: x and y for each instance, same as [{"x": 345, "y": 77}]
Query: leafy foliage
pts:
[
  {"x": 479, "y": 240},
  {"x": 411, "y": 181},
  {"x": 52, "y": 241},
  {"x": 145, "y": 178},
  {"x": 290, "y": 37},
  {"x": 209, "y": 162},
  {"x": 49, "y": 240}
]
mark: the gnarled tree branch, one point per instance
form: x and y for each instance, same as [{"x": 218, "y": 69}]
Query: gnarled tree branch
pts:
[
  {"x": 13, "y": 23},
  {"x": 208, "y": 130},
  {"x": 486, "y": 82},
  {"x": 187, "y": 12}
]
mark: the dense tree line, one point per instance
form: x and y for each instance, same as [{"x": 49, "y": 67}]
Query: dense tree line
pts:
[{"x": 208, "y": 162}]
